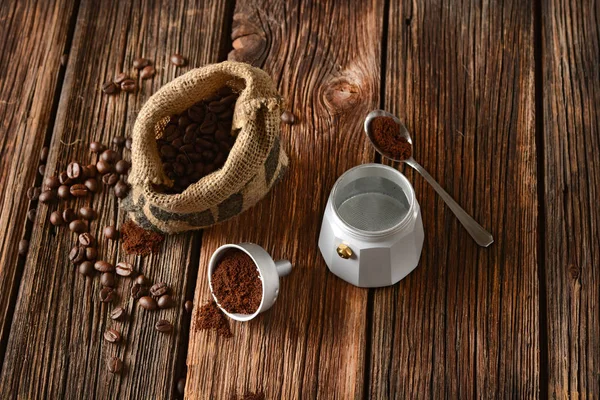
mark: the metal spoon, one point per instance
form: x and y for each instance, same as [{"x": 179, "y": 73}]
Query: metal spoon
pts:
[{"x": 480, "y": 235}]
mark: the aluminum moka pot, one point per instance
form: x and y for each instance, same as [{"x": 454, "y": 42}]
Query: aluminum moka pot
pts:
[{"x": 372, "y": 233}]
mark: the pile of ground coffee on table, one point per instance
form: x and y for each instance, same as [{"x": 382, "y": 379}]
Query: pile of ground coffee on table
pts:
[
  {"x": 139, "y": 241},
  {"x": 236, "y": 283},
  {"x": 211, "y": 317},
  {"x": 386, "y": 135}
]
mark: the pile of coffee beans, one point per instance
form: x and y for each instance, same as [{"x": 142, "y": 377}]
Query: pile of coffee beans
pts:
[{"x": 197, "y": 142}]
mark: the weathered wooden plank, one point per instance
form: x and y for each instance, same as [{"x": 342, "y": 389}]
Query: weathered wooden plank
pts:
[
  {"x": 312, "y": 343},
  {"x": 55, "y": 348},
  {"x": 571, "y": 142},
  {"x": 33, "y": 36},
  {"x": 465, "y": 323}
]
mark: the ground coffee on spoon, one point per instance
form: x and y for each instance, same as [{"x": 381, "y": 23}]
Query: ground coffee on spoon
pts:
[{"x": 386, "y": 135}]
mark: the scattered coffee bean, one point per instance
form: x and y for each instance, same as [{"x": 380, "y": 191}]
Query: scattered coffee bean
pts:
[
  {"x": 107, "y": 279},
  {"x": 74, "y": 170},
  {"x": 86, "y": 268},
  {"x": 122, "y": 167},
  {"x": 117, "y": 314},
  {"x": 181, "y": 386},
  {"x": 97, "y": 147},
  {"x": 148, "y": 303},
  {"x": 107, "y": 294},
  {"x": 77, "y": 226},
  {"x": 119, "y": 141},
  {"x": 44, "y": 154},
  {"x": 92, "y": 185},
  {"x": 69, "y": 215},
  {"x": 103, "y": 266},
  {"x": 110, "y": 179},
  {"x": 178, "y": 60},
  {"x": 64, "y": 178},
  {"x": 158, "y": 289},
  {"x": 124, "y": 268},
  {"x": 128, "y": 142},
  {"x": 110, "y": 88},
  {"x": 114, "y": 365},
  {"x": 189, "y": 305},
  {"x": 90, "y": 171},
  {"x": 128, "y": 85},
  {"x": 164, "y": 326},
  {"x": 288, "y": 118},
  {"x": 140, "y": 63},
  {"x": 77, "y": 254},
  {"x": 165, "y": 301},
  {"x": 110, "y": 156},
  {"x": 31, "y": 214},
  {"x": 86, "y": 239},
  {"x": 87, "y": 213},
  {"x": 112, "y": 336},
  {"x": 79, "y": 190},
  {"x": 147, "y": 72},
  {"x": 52, "y": 182},
  {"x": 104, "y": 167},
  {"x": 91, "y": 253},
  {"x": 121, "y": 189},
  {"x": 42, "y": 169},
  {"x": 47, "y": 196},
  {"x": 23, "y": 247},
  {"x": 142, "y": 280},
  {"x": 110, "y": 232},
  {"x": 33, "y": 193},
  {"x": 56, "y": 218},
  {"x": 120, "y": 78},
  {"x": 64, "y": 192},
  {"x": 137, "y": 291}
]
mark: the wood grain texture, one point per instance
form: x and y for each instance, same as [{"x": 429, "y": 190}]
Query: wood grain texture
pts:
[
  {"x": 33, "y": 36},
  {"x": 571, "y": 138},
  {"x": 56, "y": 348},
  {"x": 464, "y": 324},
  {"x": 325, "y": 60}
]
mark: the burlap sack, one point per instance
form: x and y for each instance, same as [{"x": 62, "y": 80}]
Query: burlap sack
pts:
[{"x": 255, "y": 162}]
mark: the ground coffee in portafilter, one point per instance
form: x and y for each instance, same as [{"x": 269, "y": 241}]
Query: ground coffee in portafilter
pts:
[
  {"x": 387, "y": 136},
  {"x": 236, "y": 283}
]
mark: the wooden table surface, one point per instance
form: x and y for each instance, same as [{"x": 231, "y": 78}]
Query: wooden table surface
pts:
[{"x": 502, "y": 99}]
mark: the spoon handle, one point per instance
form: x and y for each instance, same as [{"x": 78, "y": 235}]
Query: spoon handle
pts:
[{"x": 480, "y": 235}]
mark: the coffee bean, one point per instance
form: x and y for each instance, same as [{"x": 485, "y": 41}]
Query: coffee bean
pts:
[
  {"x": 52, "y": 182},
  {"x": 107, "y": 279},
  {"x": 79, "y": 190},
  {"x": 217, "y": 107},
  {"x": 178, "y": 60},
  {"x": 64, "y": 178},
  {"x": 110, "y": 88},
  {"x": 196, "y": 113},
  {"x": 78, "y": 226},
  {"x": 23, "y": 247},
  {"x": 56, "y": 218},
  {"x": 86, "y": 239},
  {"x": 119, "y": 141},
  {"x": 69, "y": 215},
  {"x": 87, "y": 213},
  {"x": 91, "y": 253},
  {"x": 97, "y": 147},
  {"x": 122, "y": 167},
  {"x": 168, "y": 151},
  {"x": 74, "y": 170},
  {"x": 42, "y": 169},
  {"x": 117, "y": 314},
  {"x": 44, "y": 154},
  {"x": 121, "y": 189},
  {"x": 114, "y": 365},
  {"x": 129, "y": 86},
  {"x": 124, "y": 268},
  {"x": 147, "y": 72},
  {"x": 208, "y": 128},
  {"x": 110, "y": 156},
  {"x": 77, "y": 254},
  {"x": 128, "y": 142},
  {"x": 110, "y": 179},
  {"x": 31, "y": 214},
  {"x": 142, "y": 280},
  {"x": 104, "y": 167},
  {"x": 164, "y": 326},
  {"x": 86, "y": 268},
  {"x": 47, "y": 196},
  {"x": 112, "y": 336},
  {"x": 140, "y": 63},
  {"x": 188, "y": 306},
  {"x": 120, "y": 78},
  {"x": 33, "y": 193},
  {"x": 86, "y": 172},
  {"x": 64, "y": 192},
  {"x": 103, "y": 266},
  {"x": 110, "y": 232},
  {"x": 221, "y": 135},
  {"x": 137, "y": 291},
  {"x": 158, "y": 289},
  {"x": 148, "y": 303},
  {"x": 107, "y": 294},
  {"x": 181, "y": 386},
  {"x": 165, "y": 301}
]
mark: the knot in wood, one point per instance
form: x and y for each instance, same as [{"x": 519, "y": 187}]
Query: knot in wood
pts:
[
  {"x": 574, "y": 271},
  {"x": 341, "y": 94}
]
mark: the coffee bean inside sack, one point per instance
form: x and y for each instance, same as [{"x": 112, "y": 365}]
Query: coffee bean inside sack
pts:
[{"x": 197, "y": 142}]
